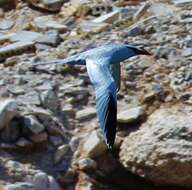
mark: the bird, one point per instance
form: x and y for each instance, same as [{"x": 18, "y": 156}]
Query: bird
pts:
[{"x": 103, "y": 68}]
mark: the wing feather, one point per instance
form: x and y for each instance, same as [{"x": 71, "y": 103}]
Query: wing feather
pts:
[{"x": 106, "y": 104}]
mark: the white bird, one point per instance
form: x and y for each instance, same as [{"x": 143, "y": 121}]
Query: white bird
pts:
[{"x": 103, "y": 67}]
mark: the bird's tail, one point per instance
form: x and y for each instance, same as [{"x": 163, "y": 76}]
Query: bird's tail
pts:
[
  {"x": 73, "y": 60},
  {"x": 57, "y": 61}
]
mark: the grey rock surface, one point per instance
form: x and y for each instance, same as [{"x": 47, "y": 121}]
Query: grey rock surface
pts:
[{"x": 160, "y": 150}]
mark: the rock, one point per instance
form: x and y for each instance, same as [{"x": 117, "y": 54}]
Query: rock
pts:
[
  {"x": 60, "y": 153},
  {"x": 43, "y": 181},
  {"x": 182, "y": 2},
  {"x": 53, "y": 4},
  {"x": 20, "y": 186},
  {"x": 33, "y": 124},
  {"x": 161, "y": 150},
  {"x": 25, "y": 36},
  {"x": 17, "y": 48},
  {"x": 87, "y": 113},
  {"x": 142, "y": 10},
  {"x": 8, "y": 110},
  {"x": 187, "y": 52},
  {"x": 6, "y": 37},
  {"x": 85, "y": 182},
  {"x": 94, "y": 145},
  {"x": 74, "y": 143},
  {"x": 30, "y": 98},
  {"x": 50, "y": 38},
  {"x": 108, "y": 18},
  {"x": 15, "y": 168},
  {"x": 40, "y": 23},
  {"x": 45, "y": 23},
  {"x": 56, "y": 26},
  {"x": 130, "y": 115},
  {"x": 10, "y": 133},
  {"x": 92, "y": 27},
  {"x": 50, "y": 100},
  {"x": 39, "y": 138},
  {"x": 100, "y": 9},
  {"x": 55, "y": 141},
  {"x": 87, "y": 164},
  {"x": 6, "y": 24},
  {"x": 24, "y": 143},
  {"x": 134, "y": 31}
]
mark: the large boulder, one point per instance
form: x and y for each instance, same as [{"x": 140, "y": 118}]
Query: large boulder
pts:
[
  {"x": 8, "y": 110},
  {"x": 161, "y": 150}
]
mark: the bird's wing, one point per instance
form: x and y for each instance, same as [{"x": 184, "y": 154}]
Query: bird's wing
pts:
[
  {"x": 116, "y": 73},
  {"x": 78, "y": 59},
  {"x": 106, "y": 104}
]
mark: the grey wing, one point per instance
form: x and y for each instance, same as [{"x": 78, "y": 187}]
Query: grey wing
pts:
[
  {"x": 106, "y": 104},
  {"x": 116, "y": 73},
  {"x": 78, "y": 59}
]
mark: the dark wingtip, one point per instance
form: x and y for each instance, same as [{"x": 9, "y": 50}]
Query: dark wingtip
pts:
[{"x": 109, "y": 147}]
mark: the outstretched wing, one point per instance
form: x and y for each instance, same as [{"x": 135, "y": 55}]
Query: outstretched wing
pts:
[
  {"x": 106, "y": 104},
  {"x": 78, "y": 59},
  {"x": 116, "y": 73}
]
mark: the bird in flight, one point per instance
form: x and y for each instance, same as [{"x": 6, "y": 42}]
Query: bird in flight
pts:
[{"x": 103, "y": 67}]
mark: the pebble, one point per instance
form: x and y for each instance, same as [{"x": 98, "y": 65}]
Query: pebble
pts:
[
  {"x": 130, "y": 115},
  {"x": 94, "y": 145}
]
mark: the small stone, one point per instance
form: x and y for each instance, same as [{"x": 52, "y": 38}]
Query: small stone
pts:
[
  {"x": 8, "y": 110},
  {"x": 43, "y": 181},
  {"x": 40, "y": 23},
  {"x": 6, "y": 24},
  {"x": 14, "y": 166},
  {"x": 8, "y": 146},
  {"x": 94, "y": 145},
  {"x": 93, "y": 27},
  {"x": 50, "y": 100},
  {"x": 56, "y": 26},
  {"x": 142, "y": 10},
  {"x": 11, "y": 61},
  {"x": 24, "y": 143},
  {"x": 50, "y": 38},
  {"x": 10, "y": 133},
  {"x": 130, "y": 115},
  {"x": 74, "y": 143},
  {"x": 17, "y": 90},
  {"x": 33, "y": 124},
  {"x": 182, "y": 2},
  {"x": 53, "y": 4},
  {"x": 6, "y": 37},
  {"x": 56, "y": 141},
  {"x": 60, "y": 153},
  {"x": 17, "y": 48},
  {"x": 25, "y": 36},
  {"x": 187, "y": 52},
  {"x": 108, "y": 18},
  {"x": 20, "y": 186},
  {"x": 39, "y": 138},
  {"x": 87, "y": 113},
  {"x": 87, "y": 164},
  {"x": 30, "y": 98}
]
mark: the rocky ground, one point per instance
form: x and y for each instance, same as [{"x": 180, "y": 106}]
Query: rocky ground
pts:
[{"x": 49, "y": 134}]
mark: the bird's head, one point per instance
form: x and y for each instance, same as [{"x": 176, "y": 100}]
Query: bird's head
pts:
[
  {"x": 142, "y": 51},
  {"x": 139, "y": 51}
]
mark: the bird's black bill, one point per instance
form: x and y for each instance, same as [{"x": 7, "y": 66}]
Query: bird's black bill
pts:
[{"x": 144, "y": 52}]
